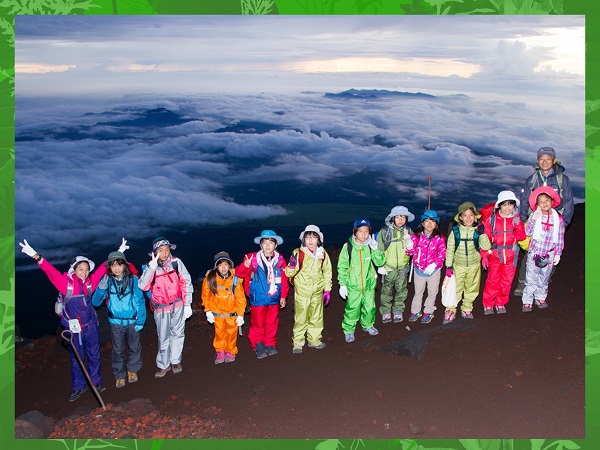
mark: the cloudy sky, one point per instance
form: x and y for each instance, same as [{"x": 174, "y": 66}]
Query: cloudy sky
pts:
[{"x": 91, "y": 164}]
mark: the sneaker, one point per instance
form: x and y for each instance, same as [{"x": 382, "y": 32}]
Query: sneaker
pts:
[
  {"x": 427, "y": 318},
  {"x": 398, "y": 317},
  {"x": 120, "y": 383},
  {"x": 466, "y": 314},
  {"x": 132, "y": 377},
  {"x": 519, "y": 290},
  {"x": 488, "y": 311},
  {"x": 297, "y": 350},
  {"x": 449, "y": 316},
  {"x": 386, "y": 318},
  {"x": 229, "y": 357},
  {"x": 260, "y": 351},
  {"x": 177, "y": 368},
  {"x": 541, "y": 304},
  {"x": 526, "y": 307},
  {"x": 220, "y": 357},
  {"x": 162, "y": 372},
  {"x": 76, "y": 394},
  {"x": 414, "y": 317},
  {"x": 318, "y": 346},
  {"x": 349, "y": 337},
  {"x": 100, "y": 388},
  {"x": 500, "y": 309},
  {"x": 372, "y": 331},
  {"x": 271, "y": 350}
]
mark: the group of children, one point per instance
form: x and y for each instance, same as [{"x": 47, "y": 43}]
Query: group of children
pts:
[{"x": 487, "y": 239}]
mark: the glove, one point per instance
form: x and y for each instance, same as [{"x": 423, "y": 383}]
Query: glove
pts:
[
  {"x": 407, "y": 240},
  {"x": 429, "y": 269},
  {"x": 292, "y": 263},
  {"x": 123, "y": 246},
  {"x": 239, "y": 320},
  {"x": 326, "y": 297},
  {"x": 138, "y": 328},
  {"x": 537, "y": 214},
  {"x": 187, "y": 311},
  {"x": 485, "y": 259},
  {"x": 381, "y": 271},
  {"x": 371, "y": 242},
  {"x": 210, "y": 317},
  {"x": 556, "y": 260},
  {"x": 103, "y": 282},
  {"x": 449, "y": 272},
  {"x": 153, "y": 264},
  {"x": 343, "y": 292},
  {"x": 26, "y": 248}
]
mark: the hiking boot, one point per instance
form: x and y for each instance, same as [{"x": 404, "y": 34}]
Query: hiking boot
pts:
[
  {"x": 466, "y": 314},
  {"x": 177, "y": 368},
  {"x": 541, "y": 304},
  {"x": 271, "y": 350},
  {"x": 260, "y": 351},
  {"x": 349, "y": 337},
  {"x": 449, "y": 316},
  {"x": 318, "y": 346},
  {"x": 427, "y": 318},
  {"x": 415, "y": 316},
  {"x": 220, "y": 357},
  {"x": 398, "y": 317},
  {"x": 229, "y": 357},
  {"x": 297, "y": 350},
  {"x": 162, "y": 372},
  {"x": 120, "y": 383},
  {"x": 132, "y": 377},
  {"x": 386, "y": 318},
  {"x": 500, "y": 309},
  {"x": 100, "y": 388},
  {"x": 76, "y": 394},
  {"x": 526, "y": 307},
  {"x": 372, "y": 331},
  {"x": 488, "y": 311},
  {"x": 519, "y": 290}
]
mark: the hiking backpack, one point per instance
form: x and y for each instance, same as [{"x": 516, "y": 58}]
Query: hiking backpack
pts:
[
  {"x": 300, "y": 255},
  {"x": 62, "y": 300}
]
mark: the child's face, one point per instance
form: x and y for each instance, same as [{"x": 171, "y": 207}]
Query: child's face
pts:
[
  {"x": 545, "y": 202},
  {"x": 82, "y": 270},
  {"x": 468, "y": 218},
  {"x": 223, "y": 267},
  {"x": 429, "y": 225},
  {"x": 163, "y": 252},
  {"x": 507, "y": 208},
  {"x": 399, "y": 221},
  {"x": 268, "y": 246},
  {"x": 117, "y": 267},
  {"x": 311, "y": 240},
  {"x": 361, "y": 234}
]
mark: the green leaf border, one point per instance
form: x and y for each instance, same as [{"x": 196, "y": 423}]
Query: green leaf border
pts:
[{"x": 8, "y": 9}]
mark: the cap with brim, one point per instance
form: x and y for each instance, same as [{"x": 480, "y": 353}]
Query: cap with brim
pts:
[
  {"x": 465, "y": 206},
  {"x": 361, "y": 222},
  {"x": 546, "y": 151},
  {"x": 79, "y": 259},
  {"x": 268, "y": 234},
  {"x": 543, "y": 190},
  {"x": 314, "y": 229}
]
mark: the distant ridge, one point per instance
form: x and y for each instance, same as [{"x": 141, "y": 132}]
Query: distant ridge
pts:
[{"x": 376, "y": 93}]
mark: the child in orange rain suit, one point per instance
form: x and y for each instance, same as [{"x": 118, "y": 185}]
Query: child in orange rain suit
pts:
[{"x": 224, "y": 302}]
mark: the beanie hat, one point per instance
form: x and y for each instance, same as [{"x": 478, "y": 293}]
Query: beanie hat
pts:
[
  {"x": 465, "y": 206},
  {"x": 430, "y": 214},
  {"x": 113, "y": 256},
  {"x": 400, "y": 211},
  {"x": 75, "y": 261},
  {"x": 506, "y": 195},
  {"x": 314, "y": 229},
  {"x": 268, "y": 234},
  {"x": 361, "y": 222},
  {"x": 221, "y": 256},
  {"x": 543, "y": 190},
  {"x": 546, "y": 151}
]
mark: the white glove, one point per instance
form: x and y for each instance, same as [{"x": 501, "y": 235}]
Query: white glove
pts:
[
  {"x": 556, "y": 260},
  {"x": 429, "y": 269},
  {"x": 343, "y": 292},
  {"x": 26, "y": 248},
  {"x": 103, "y": 282},
  {"x": 407, "y": 240},
  {"x": 210, "y": 317},
  {"x": 537, "y": 214},
  {"x": 153, "y": 264},
  {"x": 123, "y": 246},
  {"x": 239, "y": 321},
  {"x": 382, "y": 271},
  {"x": 371, "y": 242},
  {"x": 187, "y": 311}
]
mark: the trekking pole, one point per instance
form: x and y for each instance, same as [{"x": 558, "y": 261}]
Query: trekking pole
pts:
[
  {"x": 87, "y": 376},
  {"x": 410, "y": 272}
]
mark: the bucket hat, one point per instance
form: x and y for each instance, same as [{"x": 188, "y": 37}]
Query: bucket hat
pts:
[
  {"x": 506, "y": 195},
  {"x": 430, "y": 214},
  {"x": 463, "y": 207},
  {"x": 400, "y": 211},
  {"x": 113, "y": 256},
  {"x": 314, "y": 229},
  {"x": 268, "y": 234},
  {"x": 77, "y": 260},
  {"x": 543, "y": 190}
]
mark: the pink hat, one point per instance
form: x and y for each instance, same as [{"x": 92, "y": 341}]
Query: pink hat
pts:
[{"x": 543, "y": 190}]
